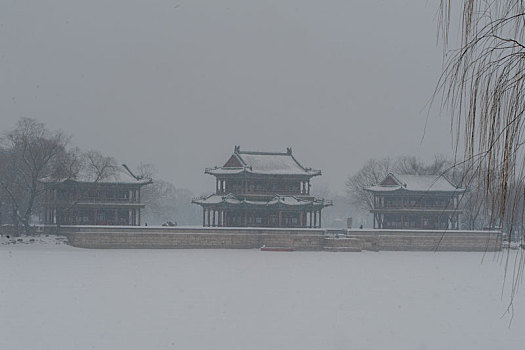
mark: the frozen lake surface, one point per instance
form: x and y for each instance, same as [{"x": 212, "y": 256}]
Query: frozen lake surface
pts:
[{"x": 58, "y": 297}]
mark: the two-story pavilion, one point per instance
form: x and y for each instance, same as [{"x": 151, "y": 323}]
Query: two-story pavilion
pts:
[
  {"x": 415, "y": 202},
  {"x": 262, "y": 189},
  {"x": 82, "y": 201}
]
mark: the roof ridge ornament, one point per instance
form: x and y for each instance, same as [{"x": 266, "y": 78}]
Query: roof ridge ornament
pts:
[
  {"x": 136, "y": 177},
  {"x": 289, "y": 150}
]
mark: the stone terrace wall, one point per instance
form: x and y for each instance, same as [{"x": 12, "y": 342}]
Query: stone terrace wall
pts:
[
  {"x": 343, "y": 244},
  {"x": 420, "y": 240},
  {"x": 192, "y": 238},
  {"x": 133, "y": 237}
]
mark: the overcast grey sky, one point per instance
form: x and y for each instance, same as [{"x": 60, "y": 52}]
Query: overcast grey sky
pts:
[{"x": 179, "y": 83}]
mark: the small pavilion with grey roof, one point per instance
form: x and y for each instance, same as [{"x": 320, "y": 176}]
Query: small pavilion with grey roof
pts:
[
  {"x": 426, "y": 202},
  {"x": 262, "y": 189}
]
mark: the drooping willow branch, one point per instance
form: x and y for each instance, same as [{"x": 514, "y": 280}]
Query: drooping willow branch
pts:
[{"x": 483, "y": 85}]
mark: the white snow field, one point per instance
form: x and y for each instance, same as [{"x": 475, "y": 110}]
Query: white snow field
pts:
[{"x": 53, "y": 296}]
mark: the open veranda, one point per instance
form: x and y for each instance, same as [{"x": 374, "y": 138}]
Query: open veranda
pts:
[{"x": 54, "y": 296}]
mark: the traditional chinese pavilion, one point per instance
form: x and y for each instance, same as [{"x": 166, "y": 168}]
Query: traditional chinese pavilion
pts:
[
  {"x": 415, "y": 202},
  {"x": 80, "y": 201},
  {"x": 262, "y": 189}
]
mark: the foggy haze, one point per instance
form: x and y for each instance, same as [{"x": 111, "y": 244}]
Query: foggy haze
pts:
[
  {"x": 96, "y": 255},
  {"x": 179, "y": 83}
]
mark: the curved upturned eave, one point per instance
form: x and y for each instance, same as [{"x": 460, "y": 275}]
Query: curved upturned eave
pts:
[{"x": 400, "y": 189}]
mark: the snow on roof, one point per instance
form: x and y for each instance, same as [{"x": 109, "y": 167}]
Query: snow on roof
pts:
[
  {"x": 271, "y": 163},
  {"x": 121, "y": 175},
  {"x": 225, "y": 171},
  {"x": 276, "y": 163},
  {"x": 276, "y": 200},
  {"x": 416, "y": 183},
  {"x": 216, "y": 199}
]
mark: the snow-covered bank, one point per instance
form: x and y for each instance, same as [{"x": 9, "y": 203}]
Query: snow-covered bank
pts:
[{"x": 57, "y": 297}]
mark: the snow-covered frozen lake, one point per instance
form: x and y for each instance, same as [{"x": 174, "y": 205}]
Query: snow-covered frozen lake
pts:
[{"x": 59, "y": 297}]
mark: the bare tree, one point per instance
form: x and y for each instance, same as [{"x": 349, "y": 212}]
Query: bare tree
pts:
[
  {"x": 97, "y": 167},
  {"x": 146, "y": 171},
  {"x": 370, "y": 174},
  {"x": 4, "y": 179},
  {"x": 473, "y": 202},
  {"x": 32, "y": 153},
  {"x": 410, "y": 165},
  {"x": 165, "y": 202},
  {"x": 67, "y": 165}
]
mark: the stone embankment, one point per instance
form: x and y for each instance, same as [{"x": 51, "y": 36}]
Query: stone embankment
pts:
[
  {"x": 113, "y": 237},
  {"x": 193, "y": 238},
  {"x": 433, "y": 240}
]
